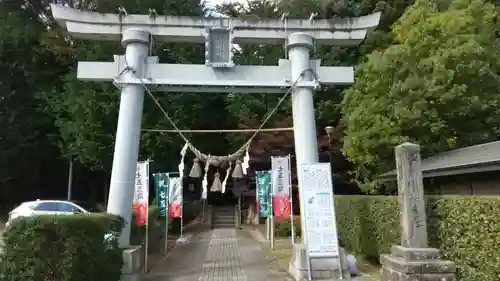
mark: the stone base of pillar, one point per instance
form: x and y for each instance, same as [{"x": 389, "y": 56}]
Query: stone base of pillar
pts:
[
  {"x": 133, "y": 264},
  {"x": 416, "y": 264},
  {"x": 321, "y": 269}
]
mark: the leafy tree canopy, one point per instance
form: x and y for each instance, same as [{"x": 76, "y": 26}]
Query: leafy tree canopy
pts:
[{"x": 437, "y": 85}]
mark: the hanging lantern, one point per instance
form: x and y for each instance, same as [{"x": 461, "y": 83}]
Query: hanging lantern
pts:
[
  {"x": 238, "y": 170},
  {"x": 196, "y": 169},
  {"x": 216, "y": 184}
]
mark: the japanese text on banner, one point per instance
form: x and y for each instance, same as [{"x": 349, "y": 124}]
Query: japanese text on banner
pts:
[
  {"x": 175, "y": 198},
  {"x": 263, "y": 190},
  {"x": 141, "y": 193},
  {"x": 319, "y": 211},
  {"x": 161, "y": 186},
  {"x": 281, "y": 185}
]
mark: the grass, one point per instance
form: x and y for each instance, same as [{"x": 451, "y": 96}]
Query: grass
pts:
[
  {"x": 282, "y": 256},
  {"x": 364, "y": 265},
  {"x": 157, "y": 255},
  {"x": 368, "y": 266}
]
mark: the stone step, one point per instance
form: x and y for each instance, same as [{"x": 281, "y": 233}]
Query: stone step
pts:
[
  {"x": 223, "y": 222},
  {"x": 224, "y": 213},
  {"x": 223, "y": 226},
  {"x": 224, "y": 217}
]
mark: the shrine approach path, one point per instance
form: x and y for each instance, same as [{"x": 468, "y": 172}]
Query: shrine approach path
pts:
[{"x": 217, "y": 255}]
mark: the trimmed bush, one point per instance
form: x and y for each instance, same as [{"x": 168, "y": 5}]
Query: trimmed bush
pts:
[
  {"x": 283, "y": 227},
  {"x": 62, "y": 248},
  {"x": 465, "y": 229}
]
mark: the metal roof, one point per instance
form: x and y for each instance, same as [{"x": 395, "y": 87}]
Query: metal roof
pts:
[{"x": 472, "y": 159}]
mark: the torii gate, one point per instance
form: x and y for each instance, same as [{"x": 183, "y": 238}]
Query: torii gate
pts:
[{"x": 219, "y": 74}]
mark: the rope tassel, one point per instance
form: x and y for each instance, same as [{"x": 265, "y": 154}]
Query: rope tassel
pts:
[
  {"x": 216, "y": 185},
  {"x": 196, "y": 169},
  {"x": 238, "y": 170}
]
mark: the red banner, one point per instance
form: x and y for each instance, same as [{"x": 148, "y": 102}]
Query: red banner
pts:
[
  {"x": 281, "y": 205},
  {"x": 175, "y": 210},
  {"x": 141, "y": 214}
]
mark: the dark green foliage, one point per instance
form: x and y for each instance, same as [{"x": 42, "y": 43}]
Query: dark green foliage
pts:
[
  {"x": 435, "y": 85},
  {"x": 466, "y": 229},
  {"x": 62, "y": 248},
  {"x": 283, "y": 227}
]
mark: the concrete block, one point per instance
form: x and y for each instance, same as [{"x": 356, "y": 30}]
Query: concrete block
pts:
[
  {"x": 414, "y": 253},
  {"x": 393, "y": 275},
  {"x": 321, "y": 268},
  {"x": 414, "y": 264},
  {"x": 421, "y": 266},
  {"x": 133, "y": 264}
]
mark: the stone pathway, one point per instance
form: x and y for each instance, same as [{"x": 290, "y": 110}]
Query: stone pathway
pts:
[{"x": 217, "y": 255}]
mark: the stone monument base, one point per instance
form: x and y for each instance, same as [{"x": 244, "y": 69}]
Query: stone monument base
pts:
[
  {"x": 321, "y": 268},
  {"x": 133, "y": 264},
  {"x": 416, "y": 264}
]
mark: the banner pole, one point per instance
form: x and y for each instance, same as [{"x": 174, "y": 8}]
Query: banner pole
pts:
[
  {"x": 182, "y": 218},
  {"x": 202, "y": 209},
  {"x": 165, "y": 250},
  {"x": 268, "y": 231},
  {"x": 167, "y": 196},
  {"x": 146, "y": 239},
  {"x": 182, "y": 206},
  {"x": 272, "y": 226},
  {"x": 272, "y": 213},
  {"x": 291, "y": 198},
  {"x": 146, "y": 245}
]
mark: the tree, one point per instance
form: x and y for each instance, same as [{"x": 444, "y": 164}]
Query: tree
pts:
[
  {"x": 250, "y": 109},
  {"x": 86, "y": 113},
  {"x": 28, "y": 69},
  {"x": 437, "y": 85}
]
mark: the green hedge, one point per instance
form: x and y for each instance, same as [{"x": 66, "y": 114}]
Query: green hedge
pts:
[
  {"x": 62, "y": 248},
  {"x": 466, "y": 229}
]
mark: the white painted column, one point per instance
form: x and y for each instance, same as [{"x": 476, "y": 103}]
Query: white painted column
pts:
[
  {"x": 128, "y": 131},
  {"x": 304, "y": 122}
]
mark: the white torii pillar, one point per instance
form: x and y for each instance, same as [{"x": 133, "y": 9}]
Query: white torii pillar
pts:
[
  {"x": 128, "y": 131},
  {"x": 304, "y": 120}
]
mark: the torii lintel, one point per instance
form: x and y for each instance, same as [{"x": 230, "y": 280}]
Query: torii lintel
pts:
[{"x": 97, "y": 26}]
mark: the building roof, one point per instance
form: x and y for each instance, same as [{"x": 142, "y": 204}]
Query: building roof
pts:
[{"x": 472, "y": 159}]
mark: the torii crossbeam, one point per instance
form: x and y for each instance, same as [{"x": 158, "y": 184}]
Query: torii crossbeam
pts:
[
  {"x": 240, "y": 79},
  {"x": 218, "y": 74}
]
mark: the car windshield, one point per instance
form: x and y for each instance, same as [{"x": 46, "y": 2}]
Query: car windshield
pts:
[{"x": 93, "y": 208}]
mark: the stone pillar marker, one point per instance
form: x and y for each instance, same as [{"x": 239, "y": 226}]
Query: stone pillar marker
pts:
[
  {"x": 411, "y": 196},
  {"x": 413, "y": 260}
]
